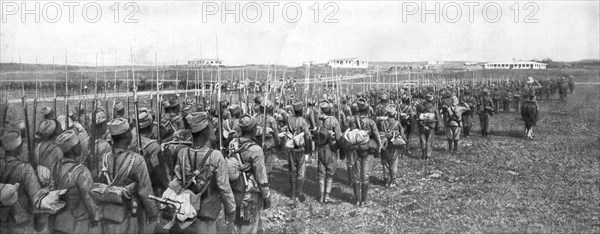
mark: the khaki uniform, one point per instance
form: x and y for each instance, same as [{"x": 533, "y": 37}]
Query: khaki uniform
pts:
[
  {"x": 218, "y": 193},
  {"x": 257, "y": 175},
  {"x": 146, "y": 210},
  {"x": 80, "y": 210},
  {"x": 19, "y": 217},
  {"x": 426, "y": 129},
  {"x": 328, "y": 157}
]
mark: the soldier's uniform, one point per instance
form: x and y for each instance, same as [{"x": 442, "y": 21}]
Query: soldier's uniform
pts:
[
  {"x": 47, "y": 152},
  {"x": 18, "y": 218},
  {"x": 406, "y": 115},
  {"x": 218, "y": 193},
  {"x": 328, "y": 156},
  {"x": 81, "y": 213},
  {"x": 271, "y": 140},
  {"x": 485, "y": 111},
  {"x": 119, "y": 110},
  {"x": 146, "y": 212},
  {"x": 455, "y": 113},
  {"x": 426, "y": 127},
  {"x": 467, "y": 117},
  {"x": 255, "y": 189},
  {"x": 94, "y": 160},
  {"x": 364, "y": 159},
  {"x": 158, "y": 165},
  {"x": 389, "y": 157},
  {"x": 296, "y": 159}
]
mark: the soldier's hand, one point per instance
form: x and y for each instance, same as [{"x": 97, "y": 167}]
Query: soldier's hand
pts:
[{"x": 266, "y": 203}]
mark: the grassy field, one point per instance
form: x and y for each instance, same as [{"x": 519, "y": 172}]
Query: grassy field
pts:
[{"x": 501, "y": 184}]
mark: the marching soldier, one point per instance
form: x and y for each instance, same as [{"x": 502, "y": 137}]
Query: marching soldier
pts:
[
  {"x": 81, "y": 214},
  {"x": 328, "y": 157},
  {"x": 209, "y": 168},
  {"x": 253, "y": 187},
  {"x": 123, "y": 168},
  {"x": 271, "y": 139},
  {"x": 362, "y": 167},
  {"x": 102, "y": 146},
  {"x": 47, "y": 152},
  {"x": 158, "y": 168},
  {"x": 467, "y": 117},
  {"x": 389, "y": 157},
  {"x": 407, "y": 114},
  {"x": 486, "y": 110},
  {"x": 18, "y": 218},
  {"x": 429, "y": 117},
  {"x": 296, "y": 160},
  {"x": 455, "y": 113}
]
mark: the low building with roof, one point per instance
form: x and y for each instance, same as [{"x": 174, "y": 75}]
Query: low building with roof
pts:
[
  {"x": 515, "y": 65},
  {"x": 348, "y": 63}
]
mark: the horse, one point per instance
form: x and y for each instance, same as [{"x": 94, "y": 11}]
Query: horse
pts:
[{"x": 530, "y": 114}]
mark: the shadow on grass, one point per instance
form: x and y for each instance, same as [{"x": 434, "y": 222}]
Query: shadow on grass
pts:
[{"x": 514, "y": 133}]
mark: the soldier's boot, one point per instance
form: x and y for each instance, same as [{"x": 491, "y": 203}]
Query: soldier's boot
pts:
[
  {"x": 450, "y": 146},
  {"x": 455, "y": 146},
  {"x": 328, "y": 186},
  {"x": 392, "y": 180},
  {"x": 321, "y": 190},
  {"x": 299, "y": 194},
  {"x": 364, "y": 197},
  {"x": 357, "y": 195}
]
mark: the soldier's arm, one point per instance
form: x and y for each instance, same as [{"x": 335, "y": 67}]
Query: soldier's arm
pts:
[
  {"x": 376, "y": 133},
  {"x": 144, "y": 186},
  {"x": 84, "y": 184},
  {"x": 260, "y": 171},
  {"x": 307, "y": 144},
  {"x": 162, "y": 168},
  {"x": 223, "y": 182},
  {"x": 30, "y": 182},
  {"x": 273, "y": 125},
  {"x": 337, "y": 129}
]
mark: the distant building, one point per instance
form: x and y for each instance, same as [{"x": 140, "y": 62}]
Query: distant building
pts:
[
  {"x": 348, "y": 63},
  {"x": 435, "y": 62},
  {"x": 515, "y": 65},
  {"x": 206, "y": 62}
]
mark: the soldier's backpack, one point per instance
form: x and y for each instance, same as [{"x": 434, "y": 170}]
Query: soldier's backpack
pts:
[
  {"x": 358, "y": 137},
  {"x": 295, "y": 141},
  {"x": 405, "y": 117},
  {"x": 245, "y": 181},
  {"x": 112, "y": 199}
]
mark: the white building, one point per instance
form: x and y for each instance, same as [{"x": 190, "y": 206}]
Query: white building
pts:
[
  {"x": 515, "y": 65},
  {"x": 206, "y": 62},
  {"x": 435, "y": 62},
  {"x": 348, "y": 63}
]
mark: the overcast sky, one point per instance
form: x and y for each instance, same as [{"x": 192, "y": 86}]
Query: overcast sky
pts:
[{"x": 373, "y": 31}]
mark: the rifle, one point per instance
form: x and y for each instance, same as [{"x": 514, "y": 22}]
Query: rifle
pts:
[
  {"x": 54, "y": 79},
  {"x": 66, "y": 93},
  {"x": 158, "y": 103},
  {"x": 115, "y": 87},
  {"x": 105, "y": 86},
  {"x": 135, "y": 103},
  {"x": 30, "y": 154},
  {"x": 264, "y": 132},
  {"x": 170, "y": 202},
  {"x": 35, "y": 101}
]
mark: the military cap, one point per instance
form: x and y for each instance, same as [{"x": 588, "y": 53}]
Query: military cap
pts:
[
  {"x": 384, "y": 97},
  {"x": 362, "y": 104},
  {"x": 67, "y": 140},
  {"x": 118, "y": 126},
  {"x": 8, "y": 194},
  {"x": 224, "y": 103},
  {"x": 182, "y": 135},
  {"x": 235, "y": 109},
  {"x": 18, "y": 124},
  {"x": 100, "y": 117},
  {"x": 247, "y": 123},
  {"x": 46, "y": 128},
  {"x": 530, "y": 80},
  {"x": 312, "y": 101},
  {"x": 298, "y": 106},
  {"x": 187, "y": 109},
  {"x": 165, "y": 104},
  {"x": 354, "y": 107},
  {"x": 324, "y": 105},
  {"x": 198, "y": 121},
  {"x": 258, "y": 100},
  {"x": 145, "y": 119},
  {"x": 429, "y": 97},
  {"x": 173, "y": 102},
  {"x": 11, "y": 140},
  {"x": 47, "y": 112},
  {"x": 391, "y": 109},
  {"x": 119, "y": 106}
]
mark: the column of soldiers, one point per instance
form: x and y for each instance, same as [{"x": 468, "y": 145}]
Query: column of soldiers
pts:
[{"x": 134, "y": 174}]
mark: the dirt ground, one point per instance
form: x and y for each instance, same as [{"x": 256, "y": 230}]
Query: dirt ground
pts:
[{"x": 501, "y": 184}]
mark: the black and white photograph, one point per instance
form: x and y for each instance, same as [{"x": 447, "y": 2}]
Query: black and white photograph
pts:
[{"x": 309, "y": 116}]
